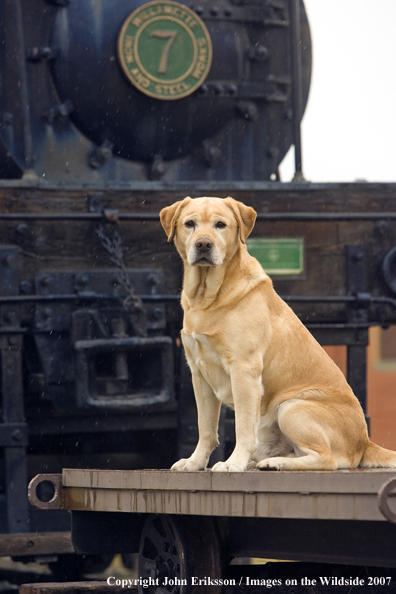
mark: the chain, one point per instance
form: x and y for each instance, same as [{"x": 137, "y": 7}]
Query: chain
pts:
[{"x": 132, "y": 304}]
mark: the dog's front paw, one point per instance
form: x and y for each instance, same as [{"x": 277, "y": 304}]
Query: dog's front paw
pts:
[
  {"x": 227, "y": 467},
  {"x": 186, "y": 464},
  {"x": 270, "y": 464}
]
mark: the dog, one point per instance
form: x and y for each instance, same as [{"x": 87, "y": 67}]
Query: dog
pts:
[{"x": 294, "y": 409}]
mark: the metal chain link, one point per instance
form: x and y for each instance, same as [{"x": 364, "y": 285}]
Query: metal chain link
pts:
[{"x": 132, "y": 304}]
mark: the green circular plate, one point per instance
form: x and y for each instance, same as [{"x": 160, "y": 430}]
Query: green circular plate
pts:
[{"x": 165, "y": 50}]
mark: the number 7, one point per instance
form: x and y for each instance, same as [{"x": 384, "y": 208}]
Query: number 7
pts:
[{"x": 171, "y": 36}]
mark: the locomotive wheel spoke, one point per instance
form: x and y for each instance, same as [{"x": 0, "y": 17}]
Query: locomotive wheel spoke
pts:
[{"x": 175, "y": 549}]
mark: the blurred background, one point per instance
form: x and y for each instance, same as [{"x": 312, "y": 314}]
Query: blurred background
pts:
[{"x": 349, "y": 127}]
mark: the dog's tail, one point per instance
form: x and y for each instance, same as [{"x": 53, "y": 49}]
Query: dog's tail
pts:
[{"x": 376, "y": 457}]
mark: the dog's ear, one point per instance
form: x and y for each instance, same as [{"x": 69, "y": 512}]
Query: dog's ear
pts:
[
  {"x": 245, "y": 215},
  {"x": 169, "y": 216}
]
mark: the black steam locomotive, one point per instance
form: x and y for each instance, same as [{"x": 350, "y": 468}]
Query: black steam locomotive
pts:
[
  {"x": 110, "y": 110},
  {"x": 73, "y": 112}
]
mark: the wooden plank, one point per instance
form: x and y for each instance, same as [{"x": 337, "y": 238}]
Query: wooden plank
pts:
[
  {"x": 74, "y": 245},
  {"x": 340, "y": 481},
  {"x": 35, "y": 544},
  {"x": 342, "y": 506},
  {"x": 136, "y": 479},
  {"x": 339, "y": 495},
  {"x": 95, "y": 587}
]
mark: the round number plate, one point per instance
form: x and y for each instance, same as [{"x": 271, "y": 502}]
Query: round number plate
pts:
[{"x": 165, "y": 50}]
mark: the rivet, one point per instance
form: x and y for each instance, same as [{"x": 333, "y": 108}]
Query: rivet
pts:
[
  {"x": 22, "y": 229},
  {"x": 45, "y": 314},
  {"x": 25, "y": 287},
  {"x": 17, "y": 435},
  {"x": 154, "y": 280},
  {"x": 157, "y": 314}
]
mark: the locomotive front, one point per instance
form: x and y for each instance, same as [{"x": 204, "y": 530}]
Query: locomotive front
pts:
[{"x": 121, "y": 91}]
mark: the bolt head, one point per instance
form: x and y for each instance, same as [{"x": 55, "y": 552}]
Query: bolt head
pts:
[
  {"x": 25, "y": 287},
  {"x": 22, "y": 229},
  {"x": 17, "y": 435}
]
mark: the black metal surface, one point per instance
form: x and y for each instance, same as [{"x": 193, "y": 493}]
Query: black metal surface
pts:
[
  {"x": 329, "y": 541},
  {"x": 357, "y": 284},
  {"x": 90, "y": 351},
  {"x": 389, "y": 269},
  {"x": 264, "y": 14},
  {"x": 105, "y": 532},
  {"x": 150, "y": 216},
  {"x": 297, "y": 86},
  {"x": 13, "y": 428},
  {"x": 23, "y": 85},
  {"x": 140, "y": 375},
  {"x": 108, "y": 130}
]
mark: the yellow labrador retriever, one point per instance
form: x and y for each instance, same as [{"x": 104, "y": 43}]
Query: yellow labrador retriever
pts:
[{"x": 246, "y": 348}]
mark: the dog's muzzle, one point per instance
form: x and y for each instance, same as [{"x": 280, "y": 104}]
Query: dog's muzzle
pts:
[
  {"x": 203, "y": 245},
  {"x": 203, "y": 251}
]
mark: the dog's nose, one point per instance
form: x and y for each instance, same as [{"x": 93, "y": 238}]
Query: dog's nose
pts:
[{"x": 204, "y": 244}]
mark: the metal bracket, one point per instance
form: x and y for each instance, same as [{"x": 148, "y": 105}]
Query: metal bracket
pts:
[
  {"x": 275, "y": 89},
  {"x": 59, "y": 113},
  {"x": 357, "y": 282},
  {"x": 383, "y": 504},
  {"x": 389, "y": 269},
  {"x": 101, "y": 154},
  {"x": 56, "y": 502},
  {"x": 273, "y": 14},
  {"x": 95, "y": 203},
  {"x": 120, "y": 391},
  {"x": 13, "y": 434},
  {"x": 357, "y": 285}
]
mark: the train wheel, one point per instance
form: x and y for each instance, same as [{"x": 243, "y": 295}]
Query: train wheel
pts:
[{"x": 176, "y": 552}]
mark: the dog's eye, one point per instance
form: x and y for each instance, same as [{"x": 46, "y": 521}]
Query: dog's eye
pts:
[
  {"x": 189, "y": 224},
  {"x": 220, "y": 225}
]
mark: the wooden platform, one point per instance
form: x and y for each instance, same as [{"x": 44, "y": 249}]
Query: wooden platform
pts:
[
  {"x": 339, "y": 495},
  {"x": 77, "y": 588}
]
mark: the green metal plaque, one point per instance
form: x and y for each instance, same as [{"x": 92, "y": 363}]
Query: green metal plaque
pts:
[
  {"x": 281, "y": 256},
  {"x": 165, "y": 50}
]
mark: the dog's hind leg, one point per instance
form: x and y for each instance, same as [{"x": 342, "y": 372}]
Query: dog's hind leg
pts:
[{"x": 298, "y": 422}]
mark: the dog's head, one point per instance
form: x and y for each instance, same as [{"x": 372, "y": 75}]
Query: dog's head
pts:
[{"x": 207, "y": 231}]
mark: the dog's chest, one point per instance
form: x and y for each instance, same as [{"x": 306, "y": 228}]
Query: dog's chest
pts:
[{"x": 212, "y": 365}]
